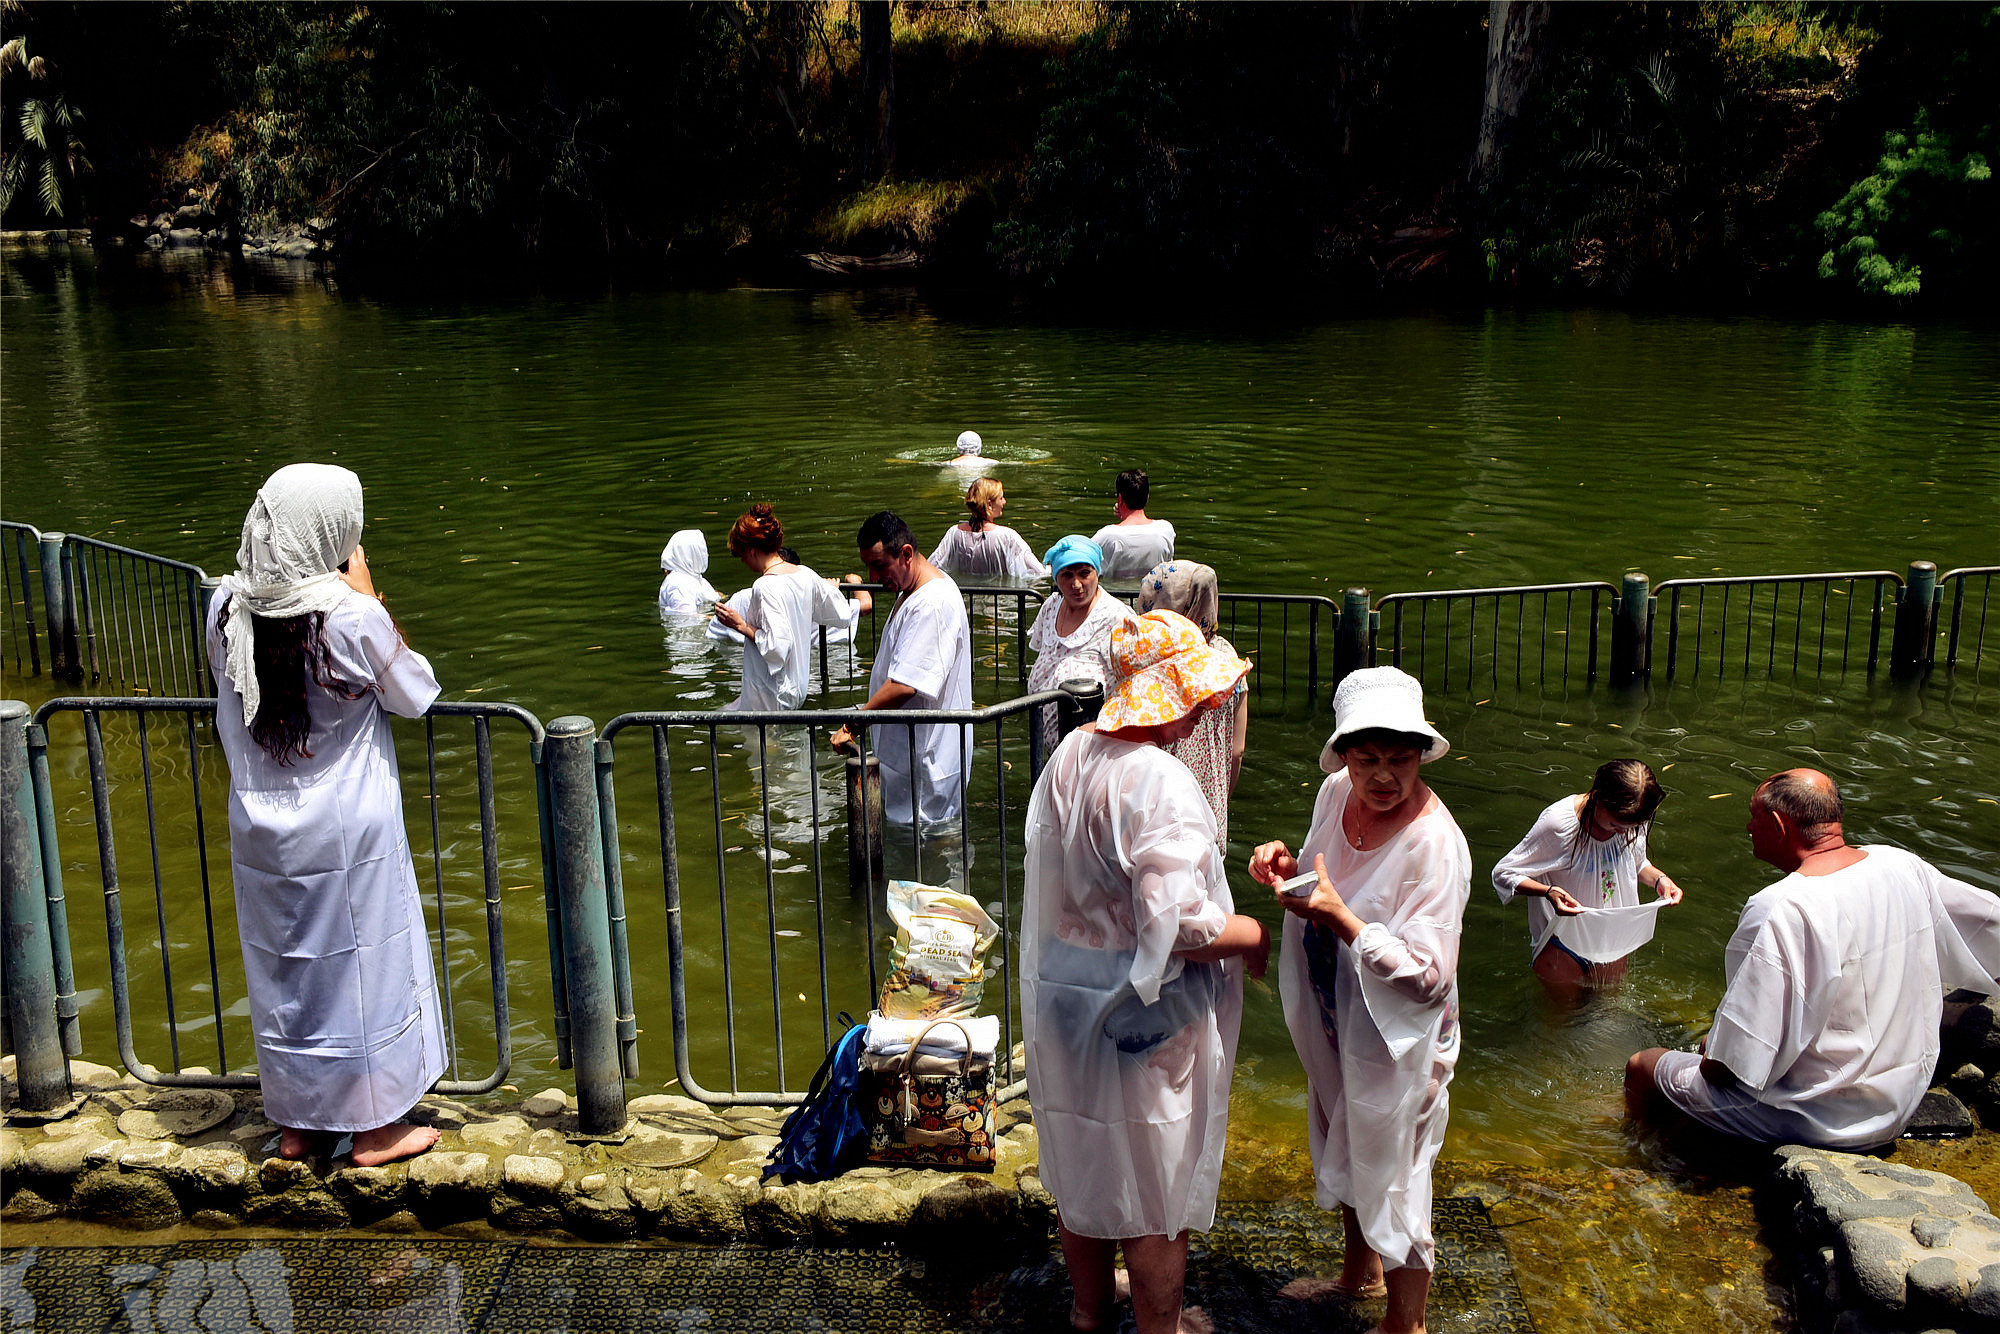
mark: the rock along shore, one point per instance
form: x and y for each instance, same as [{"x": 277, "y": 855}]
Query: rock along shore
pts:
[{"x": 143, "y": 1157}]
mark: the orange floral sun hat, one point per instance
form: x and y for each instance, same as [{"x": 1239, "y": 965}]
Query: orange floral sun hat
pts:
[{"x": 1162, "y": 670}]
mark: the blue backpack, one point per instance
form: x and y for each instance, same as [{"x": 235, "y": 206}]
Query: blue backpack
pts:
[{"x": 826, "y": 1134}]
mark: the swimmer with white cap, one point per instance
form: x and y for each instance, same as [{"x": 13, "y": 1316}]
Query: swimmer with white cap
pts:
[{"x": 969, "y": 446}]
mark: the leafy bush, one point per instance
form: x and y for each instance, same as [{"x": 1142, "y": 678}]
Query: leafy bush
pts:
[{"x": 1921, "y": 204}]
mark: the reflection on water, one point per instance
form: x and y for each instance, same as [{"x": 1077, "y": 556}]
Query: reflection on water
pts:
[{"x": 526, "y": 456}]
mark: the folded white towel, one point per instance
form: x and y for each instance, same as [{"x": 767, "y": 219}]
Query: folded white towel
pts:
[{"x": 892, "y": 1037}]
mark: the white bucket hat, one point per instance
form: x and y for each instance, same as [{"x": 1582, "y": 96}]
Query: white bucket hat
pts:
[
  {"x": 970, "y": 443},
  {"x": 1385, "y": 697}
]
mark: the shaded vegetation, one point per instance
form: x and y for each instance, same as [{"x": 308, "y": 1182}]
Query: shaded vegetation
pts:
[{"x": 1631, "y": 152}]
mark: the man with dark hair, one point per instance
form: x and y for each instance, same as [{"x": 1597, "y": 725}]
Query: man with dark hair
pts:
[
  {"x": 924, "y": 661},
  {"x": 1828, "y": 1029},
  {"x": 1136, "y": 543}
]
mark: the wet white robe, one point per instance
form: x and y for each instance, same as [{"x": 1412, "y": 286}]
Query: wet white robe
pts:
[
  {"x": 927, "y": 645},
  {"x": 684, "y": 587},
  {"x": 1836, "y": 987},
  {"x": 777, "y": 664},
  {"x": 1122, "y": 871},
  {"x": 1599, "y": 874},
  {"x": 1377, "y": 1098},
  {"x": 1131, "y": 549},
  {"x": 994, "y": 550},
  {"x": 343, "y": 999}
]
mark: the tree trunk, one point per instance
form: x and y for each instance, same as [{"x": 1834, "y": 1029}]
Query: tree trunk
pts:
[
  {"x": 1513, "y": 49},
  {"x": 878, "y": 92}
]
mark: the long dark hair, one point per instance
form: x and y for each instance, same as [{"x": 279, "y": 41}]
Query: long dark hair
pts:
[
  {"x": 1627, "y": 791},
  {"x": 289, "y": 650}
]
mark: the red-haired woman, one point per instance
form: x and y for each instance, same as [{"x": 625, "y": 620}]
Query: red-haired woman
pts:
[{"x": 786, "y": 602}]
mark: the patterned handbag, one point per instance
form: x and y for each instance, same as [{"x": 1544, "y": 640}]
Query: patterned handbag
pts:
[{"x": 925, "y": 1110}]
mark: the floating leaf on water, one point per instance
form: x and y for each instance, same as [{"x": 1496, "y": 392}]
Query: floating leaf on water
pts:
[
  {"x": 1717, "y": 796},
  {"x": 785, "y": 933},
  {"x": 737, "y": 848}
]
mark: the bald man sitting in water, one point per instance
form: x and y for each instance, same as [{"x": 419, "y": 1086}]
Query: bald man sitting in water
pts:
[{"x": 1828, "y": 1029}]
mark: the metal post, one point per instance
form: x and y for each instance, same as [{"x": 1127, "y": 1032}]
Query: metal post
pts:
[
  {"x": 1629, "y": 649},
  {"x": 864, "y": 821},
  {"x": 204, "y": 599},
  {"x": 28, "y": 958},
  {"x": 1910, "y": 649},
  {"x": 63, "y": 663},
  {"x": 614, "y": 897},
  {"x": 1350, "y": 639},
  {"x": 1084, "y": 700},
  {"x": 588, "y": 968}
]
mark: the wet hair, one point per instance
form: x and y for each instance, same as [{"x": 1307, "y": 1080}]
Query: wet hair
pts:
[
  {"x": 1133, "y": 488},
  {"x": 789, "y": 556},
  {"x": 1813, "y": 810},
  {"x": 757, "y": 530},
  {"x": 1625, "y": 790},
  {"x": 289, "y": 650},
  {"x": 1383, "y": 738},
  {"x": 885, "y": 527},
  {"x": 979, "y": 498}
]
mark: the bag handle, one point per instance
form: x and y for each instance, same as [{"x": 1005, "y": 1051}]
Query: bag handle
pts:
[{"x": 964, "y": 1063}]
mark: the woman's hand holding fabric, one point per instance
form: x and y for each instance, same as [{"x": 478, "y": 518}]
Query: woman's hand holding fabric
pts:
[
  {"x": 1668, "y": 890},
  {"x": 733, "y": 618},
  {"x": 1561, "y": 900}
]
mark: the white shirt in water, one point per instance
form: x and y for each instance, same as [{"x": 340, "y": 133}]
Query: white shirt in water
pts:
[
  {"x": 994, "y": 549},
  {"x": 927, "y": 645},
  {"x": 785, "y": 608},
  {"x": 1836, "y": 987},
  {"x": 1131, "y": 549},
  {"x": 1602, "y": 875},
  {"x": 684, "y": 594},
  {"x": 336, "y": 957},
  {"x": 1377, "y": 1100},
  {"x": 1121, "y": 871}
]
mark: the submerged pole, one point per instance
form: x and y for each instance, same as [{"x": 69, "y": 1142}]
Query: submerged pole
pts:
[
  {"x": 61, "y": 616},
  {"x": 28, "y": 954},
  {"x": 588, "y": 967},
  {"x": 1629, "y": 646},
  {"x": 1350, "y": 639},
  {"x": 1910, "y": 649},
  {"x": 864, "y": 821}
]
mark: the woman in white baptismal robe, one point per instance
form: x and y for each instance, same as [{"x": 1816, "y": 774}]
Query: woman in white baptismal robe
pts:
[
  {"x": 1369, "y": 980},
  {"x": 308, "y": 665}
]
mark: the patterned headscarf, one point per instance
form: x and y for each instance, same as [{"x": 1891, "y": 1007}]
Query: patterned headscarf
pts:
[
  {"x": 1184, "y": 586},
  {"x": 1162, "y": 670}
]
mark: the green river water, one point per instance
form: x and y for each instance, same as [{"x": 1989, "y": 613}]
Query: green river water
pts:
[{"x": 526, "y": 456}]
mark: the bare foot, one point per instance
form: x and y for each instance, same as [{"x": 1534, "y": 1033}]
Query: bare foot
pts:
[
  {"x": 1121, "y": 1287},
  {"x": 1194, "y": 1320},
  {"x": 1332, "y": 1289},
  {"x": 387, "y": 1144},
  {"x": 297, "y": 1144}
]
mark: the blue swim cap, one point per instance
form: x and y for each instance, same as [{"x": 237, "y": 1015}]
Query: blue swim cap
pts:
[{"x": 1074, "y": 550}]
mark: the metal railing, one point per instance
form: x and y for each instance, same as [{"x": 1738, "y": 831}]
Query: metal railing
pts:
[
  {"x": 1792, "y": 620},
  {"x": 744, "y": 917},
  {"x": 1965, "y": 630},
  {"x": 1431, "y": 635},
  {"x": 21, "y": 570},
  {"x": 164, "y": 750},
  {"x": 138, "y": 619}
]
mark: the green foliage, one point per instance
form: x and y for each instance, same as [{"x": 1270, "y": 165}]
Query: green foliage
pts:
[
  {"x": 1919, "y": 202},
  {"x": 49, "y": 159}
]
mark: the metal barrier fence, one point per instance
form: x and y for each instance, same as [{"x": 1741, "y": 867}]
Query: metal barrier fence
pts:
[
  {"x": 1960, "y": 582},
  {"x": 165, "y": 750},
  {"x": 21, "y": 570},
  {"x": 1423, "y": 639},
  {"x": 836, "y": 963},
  {"x": 108, "y": 614},
  {"x": 1799, "y": 614}
]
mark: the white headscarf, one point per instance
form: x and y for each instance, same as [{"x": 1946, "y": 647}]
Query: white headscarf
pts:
[
  {"x": 305, "y": 521},
  {"x": 686, "y": 553},
  {"x": 969, "y": 442}
]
